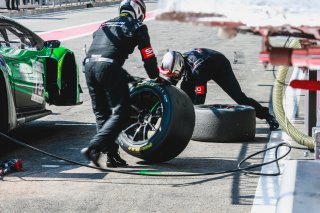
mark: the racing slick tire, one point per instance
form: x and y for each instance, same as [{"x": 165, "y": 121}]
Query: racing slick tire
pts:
[
  {"x": 161, "y": 122},
  {"x": 68, "y": 91},
  {"x": 224, "y": 123},
  {"x": 4, "y": 106}
]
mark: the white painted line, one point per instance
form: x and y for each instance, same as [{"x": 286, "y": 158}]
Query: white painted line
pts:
[
  {"x": 72, "y": 27},
  {"x": 286, "y": 201},
  {"x": 74, "y": 124},
  {"x": 50, "y": 166},
  {"x": 65, "y": 11},
  {"x": 268, "y": 188},
  {"x": 73, "y": 32},
  {"x": 78, "y": 36}
]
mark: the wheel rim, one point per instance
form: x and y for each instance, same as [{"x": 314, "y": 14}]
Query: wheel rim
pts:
[{"x": 146, "y": 113}]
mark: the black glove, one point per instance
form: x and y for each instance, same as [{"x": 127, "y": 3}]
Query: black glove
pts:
[
  {"x": 133, "y": 79},
  {"x": 161, "y": 80}
]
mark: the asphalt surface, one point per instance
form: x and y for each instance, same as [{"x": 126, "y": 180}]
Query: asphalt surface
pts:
[{"x": 50, "y": 185}]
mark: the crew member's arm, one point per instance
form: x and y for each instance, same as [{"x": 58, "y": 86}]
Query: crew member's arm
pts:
[
  {"x": 195, "y": 88},
  {"x": 147, "y": 54},
  {"x": 172, "y": 80},
  {"x": 201, "y": 92}
]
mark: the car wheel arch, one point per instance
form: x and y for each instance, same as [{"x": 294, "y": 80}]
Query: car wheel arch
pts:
[
  {"x": 10, "y": 117},
  {"x": 62, "y": 72}
]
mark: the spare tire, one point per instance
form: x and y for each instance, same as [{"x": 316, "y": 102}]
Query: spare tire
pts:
[
  {"x": 224, "y": 123},
  {"x": 161, "y": 122}
]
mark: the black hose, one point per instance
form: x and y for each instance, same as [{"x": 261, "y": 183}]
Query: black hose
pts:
[
  {"x": 263, "y": 164},
  {"x": 157, "y": 174}
]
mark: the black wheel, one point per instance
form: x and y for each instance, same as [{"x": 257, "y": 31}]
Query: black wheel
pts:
[
  {"x": 161, "y": 122},
  {"x": 4, "y": 127},
  {"x": 224, "y": 123},
  {"x": 68, "y": 90}
]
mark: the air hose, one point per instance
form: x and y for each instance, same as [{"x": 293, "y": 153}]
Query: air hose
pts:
[
  {"x": 277, "y": 97},
  {"x": 155, "y": 173}
]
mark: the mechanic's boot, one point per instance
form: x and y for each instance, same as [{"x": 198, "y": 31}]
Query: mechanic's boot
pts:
[
  {"x": 273, "y": 123},
  {"x": 92, "y": 155},
  {"x": 114, "y": 160}
]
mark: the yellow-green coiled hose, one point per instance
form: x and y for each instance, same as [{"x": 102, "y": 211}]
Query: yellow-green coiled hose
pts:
[{"x": 277, "y": 99}]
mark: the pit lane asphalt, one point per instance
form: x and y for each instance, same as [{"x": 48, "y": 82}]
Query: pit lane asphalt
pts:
[{"x": 50, "y": 185}]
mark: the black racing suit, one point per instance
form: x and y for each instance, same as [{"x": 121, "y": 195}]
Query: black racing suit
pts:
[
  {"x": 202, "y": 65},
  {"x": 107, "y": 80}
]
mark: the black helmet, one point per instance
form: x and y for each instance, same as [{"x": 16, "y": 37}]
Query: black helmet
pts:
[
  {"x": 136, "y": 8},
  {"x": 172, "y": 64}
]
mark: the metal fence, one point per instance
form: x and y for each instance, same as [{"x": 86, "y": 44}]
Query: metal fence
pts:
[
  {"x": 46, "y": 3},
  {"x": 30, "y": 4}
]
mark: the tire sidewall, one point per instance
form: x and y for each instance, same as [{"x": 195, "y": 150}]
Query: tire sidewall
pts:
[
  {"x": 156, "y": 141},
  {"x": 4, "y": 106},
  {"x": 224, "y": 123}
]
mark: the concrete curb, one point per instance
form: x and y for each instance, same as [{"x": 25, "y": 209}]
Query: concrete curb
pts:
[
  {"x": 37, "y": 11},
  {"x": 300, "y": 187}
]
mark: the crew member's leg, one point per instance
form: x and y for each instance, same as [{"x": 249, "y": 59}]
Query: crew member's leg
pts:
[
  {"x": 223, "y": 75},
  {"x": 8, "y": 4},
  {"x": 17, "y": 4},
  {"x": 100, "y": 108},
  {"x": 12, "y": 4},
  {"x": 189, "y": 88},
  {"x": 113, "y": 82},
  {"x": 114, "y": 85}
]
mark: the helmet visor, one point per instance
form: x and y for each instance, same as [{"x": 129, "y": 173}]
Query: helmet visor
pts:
[{"x": 169, "y": 73}]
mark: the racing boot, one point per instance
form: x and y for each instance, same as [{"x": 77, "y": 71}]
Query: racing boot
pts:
[
  {"x": 91, "y": 155},
  {"x": 114, "y": 160},
  {"x": 273, "y": 123}
]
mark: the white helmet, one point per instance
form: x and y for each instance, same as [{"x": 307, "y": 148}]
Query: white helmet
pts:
[
  {"x": 136, "y": 8},
  {"x": 172, "y": 64}
]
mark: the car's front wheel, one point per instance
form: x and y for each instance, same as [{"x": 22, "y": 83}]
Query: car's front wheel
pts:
[
  {"x": 68, "y": 91},
  {"x": 4, "y": 106}
]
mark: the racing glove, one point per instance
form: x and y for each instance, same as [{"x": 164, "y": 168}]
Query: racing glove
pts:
[{"x": 161, "y": 80}]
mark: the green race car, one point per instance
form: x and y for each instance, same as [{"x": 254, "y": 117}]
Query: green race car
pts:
[{"x": 33, "y": 72}]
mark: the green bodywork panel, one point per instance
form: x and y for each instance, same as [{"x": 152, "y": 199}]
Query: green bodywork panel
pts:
[
  {"x": 33, "y": 72},
  {"x": 28, "y": 70}
]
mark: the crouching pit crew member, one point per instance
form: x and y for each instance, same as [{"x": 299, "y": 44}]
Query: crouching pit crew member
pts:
[
  {"x": 107, "y": 80},
  {"x": 201, "y": 65}
]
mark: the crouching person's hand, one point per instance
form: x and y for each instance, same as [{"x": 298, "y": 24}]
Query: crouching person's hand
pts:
[{"x": 161, "y": 80}]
